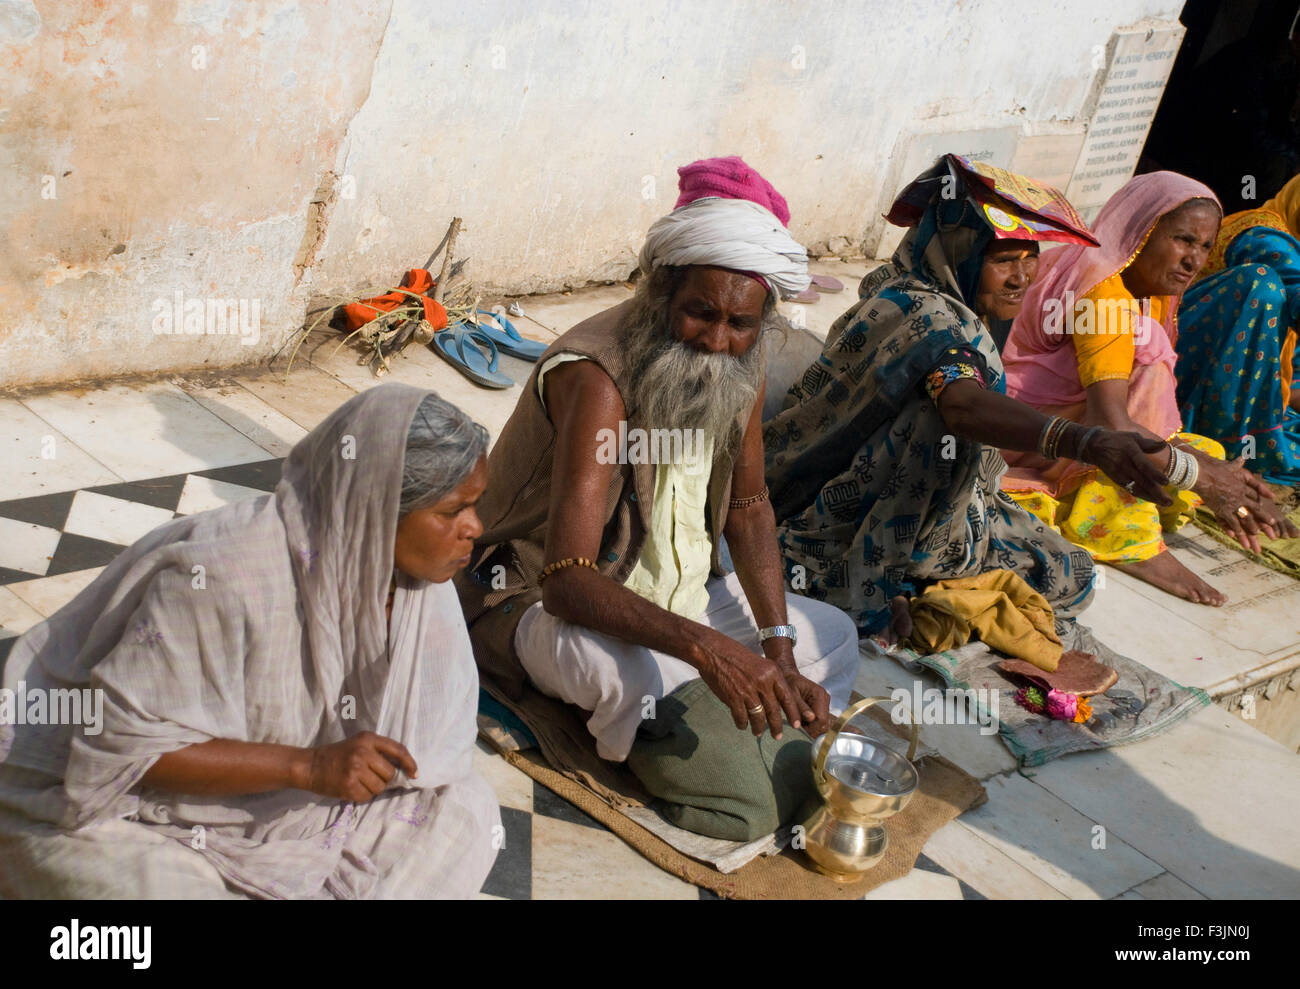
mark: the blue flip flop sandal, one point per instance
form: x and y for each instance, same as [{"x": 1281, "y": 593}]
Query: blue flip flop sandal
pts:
[
  {"x": 471, "y": 353},
  {"x": 508, "y": 339}
]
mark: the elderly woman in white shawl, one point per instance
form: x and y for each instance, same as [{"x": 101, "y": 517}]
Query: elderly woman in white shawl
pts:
[{"x": 288, "y": 689}]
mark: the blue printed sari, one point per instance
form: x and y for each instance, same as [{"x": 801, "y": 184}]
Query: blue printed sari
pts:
[
  {"x": 1232, "y": 358},
  {"x": 874, "y": 496}
]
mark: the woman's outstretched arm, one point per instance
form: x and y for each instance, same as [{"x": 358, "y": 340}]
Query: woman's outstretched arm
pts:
[{"x": 975, "y": 413}]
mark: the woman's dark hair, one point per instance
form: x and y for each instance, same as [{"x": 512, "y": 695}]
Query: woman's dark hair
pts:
[{"x": 1192, "y": 203}]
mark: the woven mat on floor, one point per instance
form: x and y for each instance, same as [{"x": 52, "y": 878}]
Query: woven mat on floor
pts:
[
  {"x": 1282, "y": 555},
  {"x": 945, "y": 791}
]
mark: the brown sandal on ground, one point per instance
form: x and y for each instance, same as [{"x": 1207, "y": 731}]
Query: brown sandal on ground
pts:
[{"x": 826, "y": 283}]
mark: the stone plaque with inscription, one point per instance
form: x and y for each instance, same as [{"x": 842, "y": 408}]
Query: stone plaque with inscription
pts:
[
  {"x": 1048, "y": 158},
  {"x": 1139, "y": 67},
  {"x": 992, "y": 146}
]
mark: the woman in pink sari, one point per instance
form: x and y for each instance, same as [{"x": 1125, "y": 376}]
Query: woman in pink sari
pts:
[{"x": 1094, "y": 344}]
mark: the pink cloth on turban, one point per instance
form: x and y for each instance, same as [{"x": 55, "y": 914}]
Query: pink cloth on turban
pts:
[{"x": 729, "y": 178}]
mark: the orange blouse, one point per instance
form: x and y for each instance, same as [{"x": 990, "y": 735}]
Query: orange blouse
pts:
[{"x": 1103, "y": 330}]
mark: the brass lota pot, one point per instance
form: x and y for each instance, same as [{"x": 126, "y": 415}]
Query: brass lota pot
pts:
[{"x": 861, "y": 784}]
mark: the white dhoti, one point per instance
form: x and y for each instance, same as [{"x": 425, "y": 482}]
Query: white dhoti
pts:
[{"x": 614, "y": 679}]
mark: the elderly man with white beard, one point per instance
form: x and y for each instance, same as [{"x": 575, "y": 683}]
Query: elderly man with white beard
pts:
[{"x": 599, "y": 584}]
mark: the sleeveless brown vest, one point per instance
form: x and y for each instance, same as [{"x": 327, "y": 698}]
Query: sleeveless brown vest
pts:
[{"x": 516, "y": 503}]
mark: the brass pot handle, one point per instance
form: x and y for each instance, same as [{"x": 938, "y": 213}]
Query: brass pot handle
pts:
[{"x": 842, "y": 722}]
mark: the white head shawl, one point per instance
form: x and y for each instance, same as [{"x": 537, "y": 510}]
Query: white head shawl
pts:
[{"x": 729, "y": 233}]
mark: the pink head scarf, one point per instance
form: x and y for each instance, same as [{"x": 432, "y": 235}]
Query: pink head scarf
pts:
[
  {"x": 1041, "y": 366},
  {"x": 729, "y": 178}
]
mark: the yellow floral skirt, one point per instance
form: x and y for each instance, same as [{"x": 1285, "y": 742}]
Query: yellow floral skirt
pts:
[{"x": 1107, "y": 521}]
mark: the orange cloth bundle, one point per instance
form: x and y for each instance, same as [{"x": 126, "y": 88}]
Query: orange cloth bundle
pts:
[{"x": 417, "y": 280}]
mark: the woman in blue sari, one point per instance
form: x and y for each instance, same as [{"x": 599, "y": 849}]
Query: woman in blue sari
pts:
[
  {"x": 1237, "y": 335},
  {"x": 883, "y": 465}
]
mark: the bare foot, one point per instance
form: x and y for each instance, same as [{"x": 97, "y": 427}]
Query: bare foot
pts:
[
  {"x": 1165, "y": 572},
  {"x": 901, "y": 618}
]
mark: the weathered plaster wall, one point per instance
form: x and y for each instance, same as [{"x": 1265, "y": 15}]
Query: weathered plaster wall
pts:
[
  {"x": 155, "y": 148},
  {"x": 346, "y": 136},
  {"x": 545, "y": 131}
]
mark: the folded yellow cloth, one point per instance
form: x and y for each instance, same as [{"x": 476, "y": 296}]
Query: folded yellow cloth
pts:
[{"x": 997, "y": 607}]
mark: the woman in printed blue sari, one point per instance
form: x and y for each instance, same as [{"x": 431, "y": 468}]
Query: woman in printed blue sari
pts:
[
  {"x": 883, "y": 464},
  {"x": 1237, "y": 335}
]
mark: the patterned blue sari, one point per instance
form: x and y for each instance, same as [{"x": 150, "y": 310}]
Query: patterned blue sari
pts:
[
  {"x": 874, "y": 495},
  {"x": 1231, "y": 327}
]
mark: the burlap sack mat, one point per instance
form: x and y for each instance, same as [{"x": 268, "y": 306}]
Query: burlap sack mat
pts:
[{"x": 945, "y": 791}]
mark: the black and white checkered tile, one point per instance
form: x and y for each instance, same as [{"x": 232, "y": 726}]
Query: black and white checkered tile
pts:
[
  {"x": 66, "y": 532},
  {"x": 61, "y": 533}
]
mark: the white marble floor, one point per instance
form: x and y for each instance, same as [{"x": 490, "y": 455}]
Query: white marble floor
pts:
[{"x": 1205, "y": 810}]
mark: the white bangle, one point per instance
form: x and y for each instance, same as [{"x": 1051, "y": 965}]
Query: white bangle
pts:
[{"x": 1183, "y": 470}]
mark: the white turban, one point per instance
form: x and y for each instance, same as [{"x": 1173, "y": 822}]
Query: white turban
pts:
[{"x": 728, "y": 233}]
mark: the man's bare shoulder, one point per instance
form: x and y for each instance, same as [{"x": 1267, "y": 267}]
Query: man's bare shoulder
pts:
[
  {"x": 585, "y": 383},
  {"x": 581, "y": 382}
]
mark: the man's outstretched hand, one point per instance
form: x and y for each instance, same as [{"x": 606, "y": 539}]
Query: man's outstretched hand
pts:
[{"x": 814, "y": 700}]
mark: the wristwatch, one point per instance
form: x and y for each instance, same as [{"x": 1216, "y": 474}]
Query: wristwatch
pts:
[{"x": 782, "y": 631}]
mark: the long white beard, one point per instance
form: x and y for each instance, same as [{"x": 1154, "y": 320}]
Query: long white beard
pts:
[{"x": 675, "y": 386}]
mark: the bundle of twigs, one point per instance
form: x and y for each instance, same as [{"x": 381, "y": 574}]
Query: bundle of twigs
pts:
[{"x": 390, "y": 332}]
